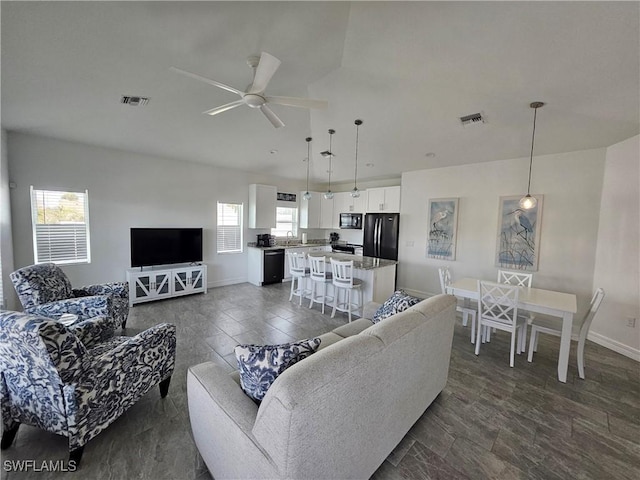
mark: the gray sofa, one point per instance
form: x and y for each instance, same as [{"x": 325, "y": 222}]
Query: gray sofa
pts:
[{"x": 338, "y": 413}]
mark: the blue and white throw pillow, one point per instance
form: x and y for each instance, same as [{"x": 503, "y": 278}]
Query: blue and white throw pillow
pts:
[
  {"x": 260, "y": 365},
  {"x": 396, "y": 303}
]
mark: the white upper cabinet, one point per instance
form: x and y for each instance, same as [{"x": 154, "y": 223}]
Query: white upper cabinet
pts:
[
  {"x": 384, "y": 199},
  {"x": 343, "y": 202},
  {"x": 327, "y": 219},
  {"x": 262, "y": 206},
  {"x": 310, "y": 210}
]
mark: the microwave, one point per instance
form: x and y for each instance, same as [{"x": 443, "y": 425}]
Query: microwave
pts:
[{"x": 351, "y": 220}]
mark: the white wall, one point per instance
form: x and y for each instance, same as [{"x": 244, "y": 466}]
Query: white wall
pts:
[
  {"x": 571, "y": 184},
  {"x": 617, "y": 257},
  {"x": 8, "y": 297},
  {"x": 128, "y": 190}
]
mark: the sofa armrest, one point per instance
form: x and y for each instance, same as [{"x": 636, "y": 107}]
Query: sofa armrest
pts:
[
  {"x": 370, "y": 310},
  {"x": 93, "y": 331},
  {"x": 83, "y": 307}
]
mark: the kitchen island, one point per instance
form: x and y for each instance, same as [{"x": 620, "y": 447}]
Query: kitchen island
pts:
[{"x": 377, "y": 274}]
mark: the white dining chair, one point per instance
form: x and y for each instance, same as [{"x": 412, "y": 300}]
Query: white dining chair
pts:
[
  {"x": 498, "y": 308},
  {"x": 320, "y": 278},
  {"x": 343, "y": 281},
  {"x": 299, "y": 275},
  {"x": 553, "y": 326},
  {"x": 464, "y": 308},
  {"x": 520, "y": 279}
]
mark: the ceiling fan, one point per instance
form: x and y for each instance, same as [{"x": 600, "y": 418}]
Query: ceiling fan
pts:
[{"x": 264, "y": 66}]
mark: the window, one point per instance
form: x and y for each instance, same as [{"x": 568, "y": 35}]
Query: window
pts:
[
  {"x": 229, "y": 227},
  {"x": 60, "y": 222},
  {"x": 286, "y": 221}
]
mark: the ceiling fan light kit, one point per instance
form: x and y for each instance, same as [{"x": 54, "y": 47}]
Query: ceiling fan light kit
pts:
[
  {"x": 355, "y": 193},
  {"x": 328, "y": 195},
  {"x": 264, "y": 67},
  {"x": 528, "y": 202}
]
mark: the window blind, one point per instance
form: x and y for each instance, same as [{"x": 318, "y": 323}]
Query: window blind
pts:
[
  {"x": 229, "y": 226},
  {"x": 60, "y": 222},
  {"x": 286, "y": 221}
]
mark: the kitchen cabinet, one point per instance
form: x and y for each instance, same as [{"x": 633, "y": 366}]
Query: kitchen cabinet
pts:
[
  {"x": 262, "y": 206},
  {"x": 327, "y": 217},
  {"x": 384, "y": 199},
  {"x": 310, "y": 210},
  {"x": 343, "y": 202}
]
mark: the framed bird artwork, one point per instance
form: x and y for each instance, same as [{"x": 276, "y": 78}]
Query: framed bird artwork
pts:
[
  {"x": 443, "y": 227},
  {"x": 518, "y": 242}
]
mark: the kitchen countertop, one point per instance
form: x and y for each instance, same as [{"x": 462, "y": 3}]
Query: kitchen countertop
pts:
[{"x": 359, "y": 262}]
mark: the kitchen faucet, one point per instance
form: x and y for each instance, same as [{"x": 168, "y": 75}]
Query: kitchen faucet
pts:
[{"x": 289, "y": 232}]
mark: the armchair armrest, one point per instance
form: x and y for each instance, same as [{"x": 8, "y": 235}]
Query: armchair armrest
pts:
[
  {"x": 94, "y": 330},
  {"x": 83, "y": 307},
  {"x": 116, "y": 288},
  {"x": 134, "y": 366}
]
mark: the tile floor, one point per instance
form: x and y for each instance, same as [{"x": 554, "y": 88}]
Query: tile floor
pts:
[{"x": 491, "y": 421}]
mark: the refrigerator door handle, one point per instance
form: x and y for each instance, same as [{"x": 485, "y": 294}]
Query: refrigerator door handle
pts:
[{"x": 379, "y": 241}]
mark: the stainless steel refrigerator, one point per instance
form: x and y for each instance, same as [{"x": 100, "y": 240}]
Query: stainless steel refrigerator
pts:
[{"x": 381, "y": 232}]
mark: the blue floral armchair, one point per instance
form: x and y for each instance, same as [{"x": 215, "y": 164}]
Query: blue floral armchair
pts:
[
  {"x": 75, "y": 381},
  {"x": 45, "y": 290}
]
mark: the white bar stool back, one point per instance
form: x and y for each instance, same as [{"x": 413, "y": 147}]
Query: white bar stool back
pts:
[
  {"x": 299, "y": 275},
  {"x": 319, "y": 279},
  {"x": 343, "y": 281}
]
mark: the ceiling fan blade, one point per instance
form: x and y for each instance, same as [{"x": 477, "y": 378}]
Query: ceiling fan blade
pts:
[
  {"x": 208, "y": 80},
  {"x": 298, "y": 102},
  {"x": 264, "y": 71},
  {"x": 272, "y": 117},
  {"x": 224, "y": 108}
]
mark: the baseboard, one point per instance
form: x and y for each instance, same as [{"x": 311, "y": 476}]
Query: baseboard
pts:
[
  {"x": 226, "y": 281},
  {"x": 614, "y": 345}
]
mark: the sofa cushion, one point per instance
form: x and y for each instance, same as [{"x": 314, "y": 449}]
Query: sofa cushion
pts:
[
  {"x": 328, "y": 338},
  {"x": 353, "y": 328},
  {"x": 396, "y": 303},
  {"x": 260, "y": 365}
]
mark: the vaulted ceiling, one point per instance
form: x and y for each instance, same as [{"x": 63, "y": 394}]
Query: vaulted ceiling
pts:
[{"x": 409, "y": 70}]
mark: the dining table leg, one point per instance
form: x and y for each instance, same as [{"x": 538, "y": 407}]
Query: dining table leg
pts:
[{"x": 565, "y": 346}]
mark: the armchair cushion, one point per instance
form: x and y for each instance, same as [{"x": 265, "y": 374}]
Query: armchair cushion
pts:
[{"x": 93, "y": 331}]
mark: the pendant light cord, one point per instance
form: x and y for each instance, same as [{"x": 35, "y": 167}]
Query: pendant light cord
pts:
[
  {"x": 308, "y": 139},
  {"x": 331, "y": 132},
  {"x": 355, "y": 175},
  {"x": 533, "y": 136}
]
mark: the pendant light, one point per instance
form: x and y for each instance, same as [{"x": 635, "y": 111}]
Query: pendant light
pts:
[
  {"x": 528, "y": 202},
  {"x": 329, "y": 153},
  {"x": 355, "y": 193},
  {"x": 307, "y": 194}
]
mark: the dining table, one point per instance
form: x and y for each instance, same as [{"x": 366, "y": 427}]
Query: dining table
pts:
[{"x": 547, "y": 302}]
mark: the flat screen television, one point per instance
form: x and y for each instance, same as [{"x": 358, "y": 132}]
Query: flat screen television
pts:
[{"x": 164, "y": 246}]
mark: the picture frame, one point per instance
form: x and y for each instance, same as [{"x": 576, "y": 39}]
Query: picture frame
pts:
[
  {"x": 518, "y": 239},
  {"x": 442, "y": 228}
]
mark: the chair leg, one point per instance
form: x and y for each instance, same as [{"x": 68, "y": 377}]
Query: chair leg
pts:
[
  {"x": 523, "y": 346},
  {"x": 532, "y": 344},
  {"x": 324, "y": 295},
  {"x": 581, "y": 359},
  {"x": 478, "y": 340},
  {"x": 293, "y": 280},
  {"x": 76, "y": 455},
  {"x": 513, "y": 345},
  {"x": 313, "y": 293},
  {"x": 473, "y": 328},
  {"x": 349, "y": 303},
  {"x": 164, "y": 387},
  {"x": 465, "y": 319},
  {"x": 336, "y": 293},
  {"x": 8, "y": 436}
]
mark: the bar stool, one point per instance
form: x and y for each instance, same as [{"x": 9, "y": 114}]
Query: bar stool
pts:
[
  {"x": 343, "y": 280},
  {"x": 299, "y": 274},
  {"x": 319, "y": 278}
]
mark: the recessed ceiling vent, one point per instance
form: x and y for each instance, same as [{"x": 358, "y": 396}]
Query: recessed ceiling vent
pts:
[
  {"x": 473, "y": 119},
  {"x": 134, "y": 101}
]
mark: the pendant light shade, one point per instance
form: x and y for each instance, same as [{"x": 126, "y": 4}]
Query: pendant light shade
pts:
[
  {"x": 329, "y": 153},
  {"x": 355, "y": 193},
  {"x": 307, "y": 194},
  {"x": 528, "y": 202}
]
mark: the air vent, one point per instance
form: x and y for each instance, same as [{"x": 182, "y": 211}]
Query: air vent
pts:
[
  {"x": 473, "y": 119},
  {"x": 134, "y": 101}
]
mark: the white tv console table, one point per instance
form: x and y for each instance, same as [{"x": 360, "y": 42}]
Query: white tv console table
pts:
[{"x": 154, "y": 283}]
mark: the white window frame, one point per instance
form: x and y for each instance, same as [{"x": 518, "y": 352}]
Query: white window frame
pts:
[
  {"x": 294, "y": 224},
  {"x": 220, "y": 249},
  {"x": 70, "y": 244}
]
